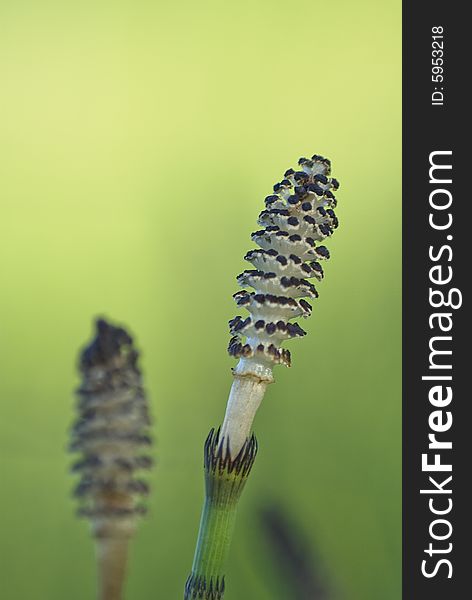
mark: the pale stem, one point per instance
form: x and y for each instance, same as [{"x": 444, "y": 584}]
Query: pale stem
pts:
[
  {"x": 112, "y": 554},
  {"x": 244, "y": 399}
]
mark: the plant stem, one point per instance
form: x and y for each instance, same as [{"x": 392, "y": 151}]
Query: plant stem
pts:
[
  {"x": 216, "y": 529},
  {"x": 244, "y": 399},
  {"x": 225, "y": 478},
  {"x": 112, "y": 555}
]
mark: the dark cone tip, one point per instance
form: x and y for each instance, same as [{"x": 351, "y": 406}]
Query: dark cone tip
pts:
[{"x": 109, "y": 342}]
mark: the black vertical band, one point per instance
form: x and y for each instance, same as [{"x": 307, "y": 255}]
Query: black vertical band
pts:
[{"x": 436, "y": 260}]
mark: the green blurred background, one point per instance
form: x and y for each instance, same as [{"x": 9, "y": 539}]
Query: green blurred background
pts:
[{"x": 138, "y": 141}]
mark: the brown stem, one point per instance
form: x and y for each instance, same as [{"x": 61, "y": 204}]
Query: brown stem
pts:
[{"x": 112, "y": 554}]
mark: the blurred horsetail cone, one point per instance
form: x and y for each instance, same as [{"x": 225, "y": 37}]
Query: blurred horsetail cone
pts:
[
  {"x": 111, "y": 435},
  {"x": 298, "y": 217}
]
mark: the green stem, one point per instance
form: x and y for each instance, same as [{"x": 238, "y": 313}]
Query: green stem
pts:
[
  {"x": 214, "y": 539},
  {"x": 225, "y": 479}
]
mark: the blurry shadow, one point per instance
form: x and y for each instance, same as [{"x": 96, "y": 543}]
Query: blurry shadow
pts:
[{"x": 294, "y": 556}]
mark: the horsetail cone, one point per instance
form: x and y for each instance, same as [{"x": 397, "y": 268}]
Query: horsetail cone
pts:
[
  {"x": 299, "y": 216},
  {"x": 111, "y": 434}
]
